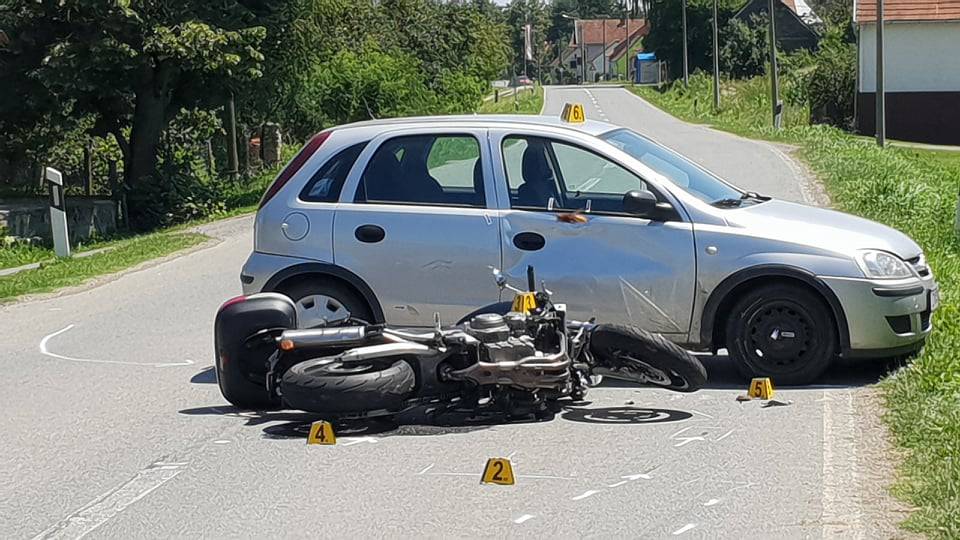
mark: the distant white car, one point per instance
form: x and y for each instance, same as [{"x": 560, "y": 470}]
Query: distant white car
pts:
[{"x": 395, "y": 220}]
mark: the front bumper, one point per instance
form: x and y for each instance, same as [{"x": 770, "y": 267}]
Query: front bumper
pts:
[{"x": 885, "y": 317}]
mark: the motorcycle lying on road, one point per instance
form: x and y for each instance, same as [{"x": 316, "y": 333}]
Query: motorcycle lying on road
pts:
[{"x": 516, "y": 358}]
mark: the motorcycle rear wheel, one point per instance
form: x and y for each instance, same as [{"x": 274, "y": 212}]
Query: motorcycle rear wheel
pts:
[
  {"x": 322, "y": 386},
  {"x": 632, "y": 354}
]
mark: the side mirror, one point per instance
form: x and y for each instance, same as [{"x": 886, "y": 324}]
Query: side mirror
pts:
[{"x": 641, "y": 203}]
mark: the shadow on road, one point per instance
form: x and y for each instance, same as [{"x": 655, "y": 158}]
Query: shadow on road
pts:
[
  {"x": 723, "y": 375},
  {"x": 624, "y": 415},
  {"x": 206, "y": 376},
  {"x": 421, "y": 421}
]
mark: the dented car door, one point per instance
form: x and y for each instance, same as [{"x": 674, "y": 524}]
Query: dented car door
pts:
[{"x": 564, "y": 216}]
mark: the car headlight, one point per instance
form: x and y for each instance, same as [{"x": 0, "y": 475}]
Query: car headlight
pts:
[{"x": 882, "y": 265}]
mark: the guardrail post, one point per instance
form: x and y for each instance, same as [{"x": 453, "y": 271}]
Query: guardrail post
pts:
[{"x": 58, "y": 213}]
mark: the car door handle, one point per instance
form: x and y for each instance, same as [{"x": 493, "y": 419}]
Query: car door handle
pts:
[
  {"x": 529, "y": 241},
  {"x": 370, "y": 234}
]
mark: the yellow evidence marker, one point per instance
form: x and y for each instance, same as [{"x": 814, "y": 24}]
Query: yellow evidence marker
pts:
[
  {"x": 498, "y": 471},
  {"x": 761, "y": 388},
  {"x": 524, "y": 303},
  {"x": 321, "y": 432},
  {"x": 573, "y": 113}
]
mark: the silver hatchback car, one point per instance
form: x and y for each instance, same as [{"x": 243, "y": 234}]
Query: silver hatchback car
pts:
[{"x": 395, "y": 220}]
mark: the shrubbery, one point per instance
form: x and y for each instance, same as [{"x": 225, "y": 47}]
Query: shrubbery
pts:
[{"x": 832, "y": 85}]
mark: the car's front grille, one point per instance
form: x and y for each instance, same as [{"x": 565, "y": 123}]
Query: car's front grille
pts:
[{"x": 919, "y": 263}]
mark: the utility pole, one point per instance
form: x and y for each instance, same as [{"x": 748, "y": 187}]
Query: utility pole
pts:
[
  {"x": 880, "y": 97},
  {"x": 604, "y": 53},
  {"x": 233, "y": 162},
  {"x": 686, "y": 67},
  {"x": 716, "y": 60},
  {"x": 774, "y": 82}
]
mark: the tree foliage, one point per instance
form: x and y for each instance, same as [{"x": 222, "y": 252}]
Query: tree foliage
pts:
[{"x": 666, "y": 31}]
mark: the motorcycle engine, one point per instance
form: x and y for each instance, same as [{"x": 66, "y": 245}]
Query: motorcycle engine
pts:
[{"x": 500, "y": 343}]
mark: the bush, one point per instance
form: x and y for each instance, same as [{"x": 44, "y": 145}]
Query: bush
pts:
[
  {"x": 832, "y": 84},
  {"x": 744, "y": 51}
]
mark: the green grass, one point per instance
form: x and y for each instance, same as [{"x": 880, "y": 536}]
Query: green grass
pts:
[
  {"x": 528, "y": 101},
  {"x": 74, "y": 271},
  {"x": 913, "y": 190}
]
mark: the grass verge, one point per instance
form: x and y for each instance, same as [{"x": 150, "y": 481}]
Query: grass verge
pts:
[
  {"x": 915, "y": 191},
  {"x": 527, "y": 101},
  {"x": 74, "y": 271}
]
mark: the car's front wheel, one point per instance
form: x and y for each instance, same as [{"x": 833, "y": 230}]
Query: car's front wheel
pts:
[{"x": 781, "y": 331}]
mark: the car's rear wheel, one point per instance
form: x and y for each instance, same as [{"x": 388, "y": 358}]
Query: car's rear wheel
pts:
[
  {"x": 781, "y": 331},
  {"x": 321, "y": 302}
]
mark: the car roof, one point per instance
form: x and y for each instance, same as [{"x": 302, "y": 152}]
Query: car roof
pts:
[{"x": 590, "y": 127}]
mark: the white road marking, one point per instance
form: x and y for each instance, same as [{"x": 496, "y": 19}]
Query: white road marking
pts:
[
  {"x": 684, "y": 529},
  {"x": 585, "y": 494},
  {"x": 221, "y": 441},
  {"x": 711, "y": 502},
  {"x": 103, "y": 508},
  {"x": 841, "y": 499},
  {"x": 523, "y": 518},
  {"x": 645, "y": 476},
  {"x": 46, "y": 352},
  {"x": 701, "y": 414},
  {"x": 685, "y": 440},
  {"x": 617, "y": 484},
  {"x": 427, "y": 468}
]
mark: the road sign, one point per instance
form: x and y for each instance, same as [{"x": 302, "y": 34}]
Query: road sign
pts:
[
  {"x": 498, "y": 471},
  {"x": 321, "y": 432},
  {"x": 761, "y": 388}
]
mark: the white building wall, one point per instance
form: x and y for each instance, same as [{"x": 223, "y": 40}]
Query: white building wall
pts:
[{"x": 918, "y": 57}]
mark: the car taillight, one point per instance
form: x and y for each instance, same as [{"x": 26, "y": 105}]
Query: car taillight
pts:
[
  {"x": 291, "y": 169},
  {"x": 232, "y": 301}
]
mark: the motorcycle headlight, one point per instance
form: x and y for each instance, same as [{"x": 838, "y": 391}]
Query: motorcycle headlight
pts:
[{"x": 882, "y": 265}]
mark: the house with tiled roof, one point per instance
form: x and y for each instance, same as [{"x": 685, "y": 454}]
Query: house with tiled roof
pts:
[
  {"x": 921, "y": 69},
  {"x": 797, "y": 24},
  {"x": 597, "y": 39}
]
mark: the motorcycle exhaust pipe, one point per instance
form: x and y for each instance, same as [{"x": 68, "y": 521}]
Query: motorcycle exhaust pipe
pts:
[{"x": 343, "y": 336}]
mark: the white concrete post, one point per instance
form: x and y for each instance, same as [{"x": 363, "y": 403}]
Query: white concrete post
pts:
[{"x": 58, "y": 213}]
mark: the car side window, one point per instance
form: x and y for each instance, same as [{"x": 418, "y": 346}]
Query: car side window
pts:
[
  {"x": 539, "y": 169},
  {"x": 425, "y": 169},
  {"x": 327, "y": 182}
]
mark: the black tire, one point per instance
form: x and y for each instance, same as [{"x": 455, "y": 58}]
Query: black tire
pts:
[
  {"x": 781, "y": 331},
  {"x": 322, "y": 387},
  {"x": 626, "y": 350},
  {"x": 338, "y": 292}
]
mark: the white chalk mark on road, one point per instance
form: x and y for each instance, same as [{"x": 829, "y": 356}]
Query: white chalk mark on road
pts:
[
  {"x": 636, "y": 476},
  {"x": 617, "y": 484},
  {"x": 701, "y": 414},
  {"x": 112, "y": 503},
  {"x": 684, "y": 529},
  {"x": 523, "y": 518},
  {"x": 711, "y": 502},
  {"x": 585, "y": 494},
  {"x": 725, "y": 435},
  {"x": 46, "y": 352},
  {"x": 427, "y": 468},
  {"x": 352, "y": 442}
]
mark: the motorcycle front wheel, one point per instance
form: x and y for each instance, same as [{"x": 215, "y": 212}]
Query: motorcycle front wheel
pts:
[
  {"x": 324, "y": 385},
  {"x": 632, "y": 354}
]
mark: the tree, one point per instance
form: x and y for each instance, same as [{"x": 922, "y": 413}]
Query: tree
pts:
[
  {"x": 744, "y": 51},
  {"x": 129, "y": 66},
  {"x": 666, "y": 31}
]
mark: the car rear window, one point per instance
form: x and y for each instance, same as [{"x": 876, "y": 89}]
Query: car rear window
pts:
[{"x": 327, "y": 182}]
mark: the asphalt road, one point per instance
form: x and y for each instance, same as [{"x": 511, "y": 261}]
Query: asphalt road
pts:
[{"x": 113, "y": 427}]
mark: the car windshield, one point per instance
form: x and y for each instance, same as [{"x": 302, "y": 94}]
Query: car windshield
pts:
[{"x": 679, "y": 170}]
